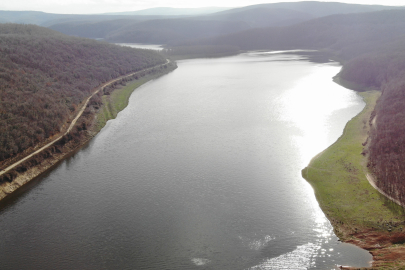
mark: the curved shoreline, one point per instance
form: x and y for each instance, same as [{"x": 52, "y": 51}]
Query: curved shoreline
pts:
[
  {"x": 359, "y": 214},
  {"x": 8, "y": 188}
]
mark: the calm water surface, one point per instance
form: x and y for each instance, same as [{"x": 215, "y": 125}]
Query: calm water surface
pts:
[
  {"x": 142, "y": 46},
  {"x": 201, "y": 171}
]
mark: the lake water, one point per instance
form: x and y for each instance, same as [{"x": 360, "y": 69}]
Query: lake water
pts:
[
  {"x": 142, "y": 46},
  {"x": 201, "y": 171}
]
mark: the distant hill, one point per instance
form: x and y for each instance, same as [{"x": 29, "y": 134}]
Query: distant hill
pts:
[
  {"x": 261, "y": 16},
  {"x": 318, "y": 9},
  {"x": 47, "y": 19},
  {"x": 164, "y": 31},
  {"x": 151, "y": 31},
  {"x": 29, "y": 17},
  {"x": 348, "y": 35},
  {"x": 312, "y": 9},
  {"x": 167, "y": 11},
  {"x": 93, "y": 29},
  {"x": 176, "y": 30}
]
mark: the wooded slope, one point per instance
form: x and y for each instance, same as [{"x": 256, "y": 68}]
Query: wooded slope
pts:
[{"x": 44, "y": 75}]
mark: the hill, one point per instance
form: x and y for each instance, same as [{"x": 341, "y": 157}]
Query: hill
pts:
[
  {"x": 152, "y": 31},
  {"x": 176, "y": 30},
  {"x": 261, "y": 16},
  {"x": 168, "y": 11},
  {"x": 316, "y": 8},
  {"x": 45, "y": 75},
  {"x": 47, "y": 19},
  {"x": 165, "y": 31},
  {"x": 347, "y": 35}
]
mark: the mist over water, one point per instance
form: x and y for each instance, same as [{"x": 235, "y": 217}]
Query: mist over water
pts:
[{"x": 201, "y": 171}]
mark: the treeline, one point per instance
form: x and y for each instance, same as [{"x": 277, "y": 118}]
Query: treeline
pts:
[
  {"x": 387, "y": 137},
  {"x": 383, "y": 67},
  {"x": 45, "y": 75}
]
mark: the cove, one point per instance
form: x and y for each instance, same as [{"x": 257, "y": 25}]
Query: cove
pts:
[{"x": 201, "y": 171}]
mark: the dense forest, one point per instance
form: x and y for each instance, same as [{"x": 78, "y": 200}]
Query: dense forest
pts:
[{"x": 44, "y": 75}]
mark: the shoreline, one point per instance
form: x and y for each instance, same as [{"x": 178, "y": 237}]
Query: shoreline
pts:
[
  {"x": 359, "y": 214},
  {"x": 8, "y": 188},
  {"x": 373, "y": 235}
]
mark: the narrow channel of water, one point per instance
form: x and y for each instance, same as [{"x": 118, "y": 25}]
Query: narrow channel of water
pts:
[
  {"x": 142, "y": 46},
  {"x": 201, "y": 171}
]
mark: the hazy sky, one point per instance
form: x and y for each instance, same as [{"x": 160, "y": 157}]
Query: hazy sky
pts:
[{"x": 102, "y": 6}]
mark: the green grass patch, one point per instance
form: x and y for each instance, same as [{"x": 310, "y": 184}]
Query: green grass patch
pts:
[{"x": 341, "y": 187}]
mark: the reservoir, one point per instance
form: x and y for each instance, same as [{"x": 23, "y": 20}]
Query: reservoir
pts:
[{"x": 202, "y": 170}]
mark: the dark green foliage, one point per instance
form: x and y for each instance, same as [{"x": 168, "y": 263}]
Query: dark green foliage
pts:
[{"x": 44, "y": 75}]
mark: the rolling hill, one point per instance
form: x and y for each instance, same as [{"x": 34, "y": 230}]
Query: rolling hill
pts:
[
  {"x": 177, "y": 30},
  {"x": 169, "y": 11}
]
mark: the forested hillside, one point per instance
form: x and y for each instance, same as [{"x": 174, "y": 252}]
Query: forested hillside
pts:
[
  {"x": 152, "y": 31},
  {"x": 44, "y": 75},
  {"x": 47, "y": 19},
  {"x": 168, "y": 30}
]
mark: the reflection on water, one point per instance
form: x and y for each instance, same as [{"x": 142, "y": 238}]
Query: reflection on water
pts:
[
  {"x": 201, "y": 171},
  {"x": 301, "y": 258}
]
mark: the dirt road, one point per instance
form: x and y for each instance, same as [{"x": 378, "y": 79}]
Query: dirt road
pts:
[{"x": 74, "y": 120}]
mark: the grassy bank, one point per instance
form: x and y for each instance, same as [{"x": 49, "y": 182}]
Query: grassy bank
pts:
[
  {"x": 118, "y": 99},
  {"x": 358, "y": 212}
]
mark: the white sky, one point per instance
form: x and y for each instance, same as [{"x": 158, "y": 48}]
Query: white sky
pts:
[{"x": 103, "y": 6}]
